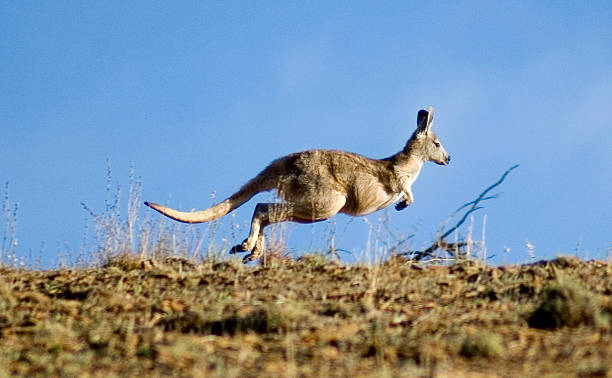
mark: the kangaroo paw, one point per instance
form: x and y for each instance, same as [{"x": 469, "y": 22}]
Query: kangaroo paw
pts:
[{"x": 401, "y": 205}]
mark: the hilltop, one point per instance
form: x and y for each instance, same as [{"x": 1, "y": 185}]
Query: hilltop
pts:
[{"x": 307, "y": 318}]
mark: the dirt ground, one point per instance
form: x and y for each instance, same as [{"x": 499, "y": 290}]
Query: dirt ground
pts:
[{"x": 308, "y": 318}]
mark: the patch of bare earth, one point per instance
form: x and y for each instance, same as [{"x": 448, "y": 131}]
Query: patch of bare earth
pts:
[{"x": 307, "y": 318}]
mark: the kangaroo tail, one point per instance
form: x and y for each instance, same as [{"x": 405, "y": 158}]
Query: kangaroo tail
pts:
[
  {"x": 209, "y": 214},
  {"x": 245, "y": 193}
]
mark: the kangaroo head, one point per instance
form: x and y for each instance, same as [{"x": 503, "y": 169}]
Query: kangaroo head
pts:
[{"x": 424, "y": 142}]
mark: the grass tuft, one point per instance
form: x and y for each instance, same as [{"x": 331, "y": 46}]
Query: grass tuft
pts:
[
  {"x": 247, "y": 319},
  {"x": 567, "y": 304},
  {"x": 482, "y": 344}
]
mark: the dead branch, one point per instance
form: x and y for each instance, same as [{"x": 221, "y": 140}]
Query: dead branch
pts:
[{"x": 451, "y": 248}]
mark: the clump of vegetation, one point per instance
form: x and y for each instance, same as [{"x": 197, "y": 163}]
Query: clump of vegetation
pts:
[
  {"x": 482, "y": 344},
  {"x": 246, "y": 319},
  {"x": 121, "y": 234},
  {"x": 565, "y": 304}
]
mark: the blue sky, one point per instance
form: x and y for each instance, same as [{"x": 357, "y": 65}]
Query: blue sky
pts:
[{"x": 200, "y": 96}]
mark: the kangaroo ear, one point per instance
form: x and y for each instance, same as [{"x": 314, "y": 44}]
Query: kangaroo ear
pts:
[{"x": 424, "y": 120}]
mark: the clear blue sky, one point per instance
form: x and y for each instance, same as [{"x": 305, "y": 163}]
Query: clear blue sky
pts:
[{"x": 200, "y": 96}]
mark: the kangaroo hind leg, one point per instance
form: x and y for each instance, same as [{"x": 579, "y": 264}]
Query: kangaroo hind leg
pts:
[
  {"x": 264, "y": 215},
  {"x": 269, "y": 213}
]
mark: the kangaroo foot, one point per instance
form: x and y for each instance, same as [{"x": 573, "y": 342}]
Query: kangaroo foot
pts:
[
  {"x": 252, "y": 256},
  {"x": 257, "y": 250},
  {"x": 239, "y": 248}
]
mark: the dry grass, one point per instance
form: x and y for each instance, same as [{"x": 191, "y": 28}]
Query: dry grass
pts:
[{"x": 304, "y": 318}]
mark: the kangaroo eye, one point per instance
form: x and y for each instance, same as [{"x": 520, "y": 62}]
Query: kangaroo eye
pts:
[{"x": 437, "y": 143}]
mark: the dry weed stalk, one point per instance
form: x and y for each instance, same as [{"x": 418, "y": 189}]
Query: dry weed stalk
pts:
[
  {"x": 9, "y": 238},
  {"x": 116, "y": 234}
]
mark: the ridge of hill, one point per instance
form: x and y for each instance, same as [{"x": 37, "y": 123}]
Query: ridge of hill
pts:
[{"x": 307, "y": 317}]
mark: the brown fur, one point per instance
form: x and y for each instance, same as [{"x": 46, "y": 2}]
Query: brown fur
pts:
[{"x": 317, "y": 184}]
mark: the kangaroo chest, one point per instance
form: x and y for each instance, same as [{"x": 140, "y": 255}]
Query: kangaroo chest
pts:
[{"x": 407, "y": 174}]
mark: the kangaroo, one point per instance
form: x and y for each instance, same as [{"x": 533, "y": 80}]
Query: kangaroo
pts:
[{"x": 317, "y": 184}]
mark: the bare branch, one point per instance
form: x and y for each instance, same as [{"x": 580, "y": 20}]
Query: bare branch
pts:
[{"x": 450, "y": 248}]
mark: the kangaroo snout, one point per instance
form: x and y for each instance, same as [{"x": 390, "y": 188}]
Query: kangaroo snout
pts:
[{"x": 444, "y": 161}]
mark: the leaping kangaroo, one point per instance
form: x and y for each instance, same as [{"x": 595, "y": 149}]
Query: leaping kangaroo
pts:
[{"x": 317, "y": 184}]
